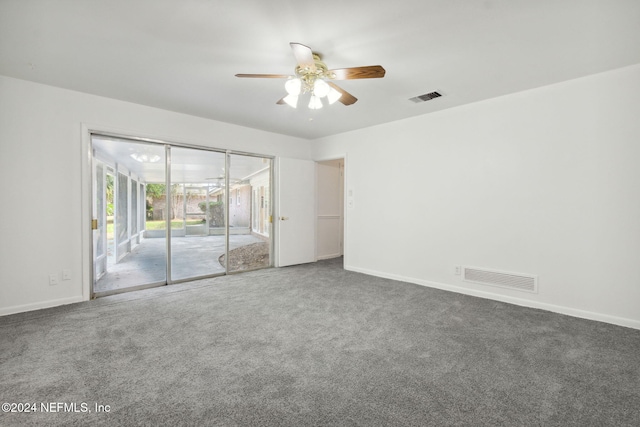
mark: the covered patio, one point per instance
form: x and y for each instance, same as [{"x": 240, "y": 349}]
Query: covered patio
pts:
[{"x": 190, "y": 257}]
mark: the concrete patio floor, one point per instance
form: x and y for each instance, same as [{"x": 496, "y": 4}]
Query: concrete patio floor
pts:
[{"x": 191, "y": 256}]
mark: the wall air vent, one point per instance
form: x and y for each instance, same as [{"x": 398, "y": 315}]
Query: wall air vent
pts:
[
  {"x": 426, "y": 97},
  {"x": 520, "y": 282}
]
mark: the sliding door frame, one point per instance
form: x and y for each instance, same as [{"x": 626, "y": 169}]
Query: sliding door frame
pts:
[
  {"x": 167, "y": 223},
  {"x": 87, "y": 185}
]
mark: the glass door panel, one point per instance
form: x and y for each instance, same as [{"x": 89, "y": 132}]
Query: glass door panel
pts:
[
  {"x": 110, "y": 185},
  {"x": 197, "y": 209},
  {"x": 134, "y": 211},
  {"x": 121, "y": 221},
  {"x": 135, "y": 252},
  {"x": 100, "y": 218},
  {"x": 249, "y": 212}
]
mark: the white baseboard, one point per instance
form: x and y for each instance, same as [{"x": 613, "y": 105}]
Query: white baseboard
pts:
[
  {"x": 606, "y": 318},
  {"x": 5, "y": 311}
]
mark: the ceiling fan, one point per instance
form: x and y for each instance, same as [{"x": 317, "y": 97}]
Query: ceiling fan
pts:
[{"x": 312, "y": 76}]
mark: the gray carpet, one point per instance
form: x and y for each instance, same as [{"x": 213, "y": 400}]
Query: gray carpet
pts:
[{"x": 315, "y": 345}]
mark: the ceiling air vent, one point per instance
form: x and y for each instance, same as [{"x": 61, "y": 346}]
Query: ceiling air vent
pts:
[{"x": 426, "y": 97}]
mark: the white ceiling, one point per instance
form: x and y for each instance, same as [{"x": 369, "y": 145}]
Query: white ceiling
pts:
[{"x": 182, "y": 55}]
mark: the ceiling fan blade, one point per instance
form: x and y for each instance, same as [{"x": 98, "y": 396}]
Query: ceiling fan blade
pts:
[
  {"x": 346, "y": 98},
  {"x": 264, "y": 76},
  {"x": 369, "y": 72},
  {"x": 304, "y": 56}
]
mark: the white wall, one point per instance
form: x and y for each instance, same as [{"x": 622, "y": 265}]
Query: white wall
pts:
[
  {"x": 545, "y": 182},
  {"x": 42, "y": 154}
]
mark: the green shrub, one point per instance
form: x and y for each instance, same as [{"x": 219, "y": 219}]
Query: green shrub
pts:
[{"x": 216, "y": 213}]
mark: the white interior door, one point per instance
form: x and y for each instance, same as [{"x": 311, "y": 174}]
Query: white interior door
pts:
[{"x": 296, "y": 228}]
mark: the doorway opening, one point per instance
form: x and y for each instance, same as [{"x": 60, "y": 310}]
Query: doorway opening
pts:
[
  {"x": 164, "y": 213},
  {"x": 330, "y": 209}
]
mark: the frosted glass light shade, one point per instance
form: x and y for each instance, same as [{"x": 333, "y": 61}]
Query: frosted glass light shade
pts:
[
  {"x": 333, "y": 95},
  {"x": 315, "y": 103},
  {"x": 293, "y": 86},
  {"x": 321, "y": 88},
  {"x": 291, "y": 100}
]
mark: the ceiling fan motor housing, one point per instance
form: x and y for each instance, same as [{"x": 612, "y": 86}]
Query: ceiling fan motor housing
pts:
[{"x": 310, "y": 74}]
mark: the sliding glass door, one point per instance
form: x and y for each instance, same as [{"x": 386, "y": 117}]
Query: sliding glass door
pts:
[
  {"x": 249, "y": 212},
  {"x": 167, "y": 214},
  {"x": 123, "y": 170},
  {"x": 198, "y": 206}
]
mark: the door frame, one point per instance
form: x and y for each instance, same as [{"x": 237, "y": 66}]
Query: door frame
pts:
[
  {"x": 341, "y": 207},
  {"x": 87, "y": 130}
]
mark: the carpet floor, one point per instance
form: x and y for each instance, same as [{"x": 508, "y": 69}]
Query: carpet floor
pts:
[{"x": 314, "y": 345}]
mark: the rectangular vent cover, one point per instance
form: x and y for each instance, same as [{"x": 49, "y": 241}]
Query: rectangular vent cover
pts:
[
  {"x": 426, "y": 97},
  {"x": 521, "y": 282}
]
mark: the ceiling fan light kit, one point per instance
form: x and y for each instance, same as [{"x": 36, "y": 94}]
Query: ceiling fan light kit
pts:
[
  {"x": 321, "y": 88},
  {"x": 315, "y": 103},
  {"x": 333, "y": 96},
  {"x": 293, "y": 86},
  {"x": 291, "y": 100},
  {"x": 313, "y": 77},
  {"x": 297, "y": 86}
]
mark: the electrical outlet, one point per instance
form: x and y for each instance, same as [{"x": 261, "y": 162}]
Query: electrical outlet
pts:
[
  {"x": 53, "y": 279},
  {"x": 458, "y": 270},
  {"x": 66, "y": 274}
]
